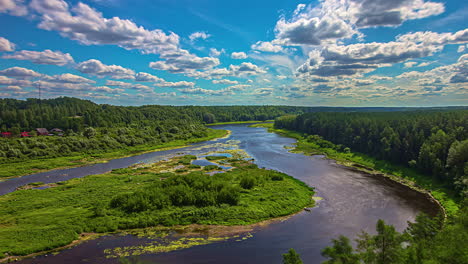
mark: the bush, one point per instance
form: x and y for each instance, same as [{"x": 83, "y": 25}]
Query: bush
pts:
[
  {"x": 215, "y": 157},
  {"x": 211, "y": 167},
  {"x": 248, "y": 182},
  {"x": 277, "y": 177},
  {"x": 229, "y": 195}
]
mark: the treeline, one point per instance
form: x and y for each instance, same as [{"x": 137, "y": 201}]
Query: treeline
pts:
[
  {"x": 427, "y": 240},
  {"x": 76, "y": 114},
  {"x": 89, "y": 128},
  {"x": 435, "y": 142}
]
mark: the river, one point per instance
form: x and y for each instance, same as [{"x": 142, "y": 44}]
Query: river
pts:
[{"x": 352, "y": 201}]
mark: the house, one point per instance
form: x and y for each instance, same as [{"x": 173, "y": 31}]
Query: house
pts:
[
  {"x": 56, "y": 130},
  {"x": 25, "y": 134},
  {"x": 42, "y": 132},
  {"x": 6, "y": 134}
]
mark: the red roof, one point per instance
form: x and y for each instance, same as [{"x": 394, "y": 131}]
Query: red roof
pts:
[
  {"x": 25, "y": 134},
  {"x": 6, "y": 133}
]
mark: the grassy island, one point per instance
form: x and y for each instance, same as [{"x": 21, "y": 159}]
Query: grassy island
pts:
[{"x": 167, "y": 193}]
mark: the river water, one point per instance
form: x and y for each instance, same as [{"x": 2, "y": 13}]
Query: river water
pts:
[{"x": 352, "y": 201}]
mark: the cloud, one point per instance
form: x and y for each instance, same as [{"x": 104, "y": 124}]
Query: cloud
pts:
[
  {"x": 372, "y": 13},
  {"x": 242, "y": 70},
  {"x": 181, "y": 84},
  {"x": 88, "y": 26},
  {"x": 432, "y": 38},
  {"x": 281, "y": 77},
  {"x": 461, "y": 48},
  {"x": 184, "y": 62},
  {"x": 19, "y": 72},
  {"x": 198, "y": 35},
  {"x": 224, "y": 81},
  {"x": 238, "y": 87},
  {"x": 216, "y": 53},
  {"x": 333, "y": 20},
  {"x": 146, "y": 77},
  {"x": 266, "y": 46},
  {"x": 335, "y": 60},
  {"x": 42, "y": 57},
  {"x": 238, "y": 55},
  {"x": 246, "y": 68},
  {"x": 14, "y": 82},
  {"x": 67, "y": 78},
  {"x": 410, "y": 64},
  {"x": 201, "y": 91},
  {"x": 456, "y": 73},
  {"x": 126, "y": 85},
  {"x": 106, "y": 89},
  {"x": 263, "y": 91},
  {"x": 312, "y": 30},
  {"x": 97, "y": 68},
  {"x": 13, "y": 7},
  {"x": 6, "y": 45}
]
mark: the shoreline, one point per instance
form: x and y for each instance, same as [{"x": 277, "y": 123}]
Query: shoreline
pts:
[
  {"x": 226, "y": 134},
  {"x": 354, "y": 166},
  {"x": 187, "y": 230},
  {"x": 238, "y": 123}
]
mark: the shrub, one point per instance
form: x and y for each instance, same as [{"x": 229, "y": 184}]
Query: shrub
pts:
[
  {"x": 229, "y": 195},
  {"x": 247, "y": 182},
  {"x": 276, "y": 177},
  {"x": 211, "y": 167}
]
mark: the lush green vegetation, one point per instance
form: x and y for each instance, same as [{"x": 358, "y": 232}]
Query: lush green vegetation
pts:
[
  {"x": 35, "y": 220},
  {"x": 238, "y": 122},
  {"x": 291, "y": 257},
  {"x": 90, "y": 152},
  {"x": 427, "y": 240},
  {"x": 314, "y": 145},
  {"x": 434, "y": 142}
]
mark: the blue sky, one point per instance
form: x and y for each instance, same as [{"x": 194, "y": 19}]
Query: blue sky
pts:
[{"x": 206, "y": 52}]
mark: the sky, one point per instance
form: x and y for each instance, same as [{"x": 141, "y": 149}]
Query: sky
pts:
[{"x": 256, "y": 52}]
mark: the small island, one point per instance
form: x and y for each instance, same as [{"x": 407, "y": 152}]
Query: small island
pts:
[{"x": 173, "y": 192}]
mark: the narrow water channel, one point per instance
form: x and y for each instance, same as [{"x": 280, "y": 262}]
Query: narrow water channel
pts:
[{"x": 352, "y": 202}]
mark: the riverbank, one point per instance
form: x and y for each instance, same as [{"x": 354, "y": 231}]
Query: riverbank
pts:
[
  {"x": 378, "y": 168},
  {"x": 239, "y": 122},
  {"x": 35, "y": 220},
  {"x": 26, "y": 167}
]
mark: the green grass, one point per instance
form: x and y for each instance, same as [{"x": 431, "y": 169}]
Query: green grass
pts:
[
  {"x": 24, "y": 167},
  {"x": 38, "y": 220},
  {"x": 238, "y": 122},
  {"x": 405, "y": 175},
  {"x": 215, "y": 157}
]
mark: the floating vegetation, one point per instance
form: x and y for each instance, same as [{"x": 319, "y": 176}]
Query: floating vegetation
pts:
[{"x": 168, "y": 245}]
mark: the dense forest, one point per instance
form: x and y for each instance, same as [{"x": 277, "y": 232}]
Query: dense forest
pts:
[
  {"x": 76, "y": 114},
  {"x": 435, "y": 142}
]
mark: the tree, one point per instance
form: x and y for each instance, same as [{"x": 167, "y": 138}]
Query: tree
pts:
[
  {"x": 89, "y": 132},
  {"x": 341, "y": 252},
  {"x": 291, "y": 257},
  {"x": 387, "y": 243}
]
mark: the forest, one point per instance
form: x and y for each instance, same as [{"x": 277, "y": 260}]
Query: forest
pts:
[{"x": 434, "y": 142}]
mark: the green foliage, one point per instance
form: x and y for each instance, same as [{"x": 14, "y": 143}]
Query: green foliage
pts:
[
  {"x": 211, "y": 167},
  {"x": 215, "y": 157},
  {"x": 35, "y": 220},
  {"x": 248, "y": 182},
  {"x": 434, "y": 142},
  {"x": 291, "y": 257},
  {"x": 426, "y": 240},
  {"x": 341, "y": 252}
]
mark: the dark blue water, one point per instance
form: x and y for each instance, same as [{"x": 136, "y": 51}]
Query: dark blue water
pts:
[{"x": 352, "y": 202}]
